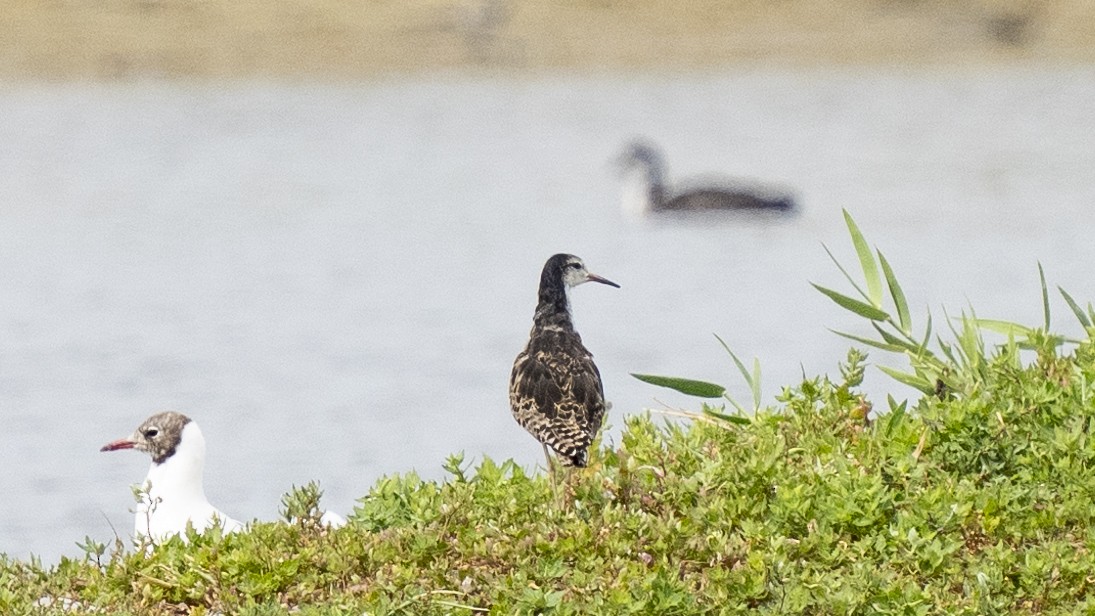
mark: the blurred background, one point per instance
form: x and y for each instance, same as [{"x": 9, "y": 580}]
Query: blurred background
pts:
[{"x": 316, "y": 227}]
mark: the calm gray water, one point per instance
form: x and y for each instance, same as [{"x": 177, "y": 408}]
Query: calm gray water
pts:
[{"x": 333, "y": 280}]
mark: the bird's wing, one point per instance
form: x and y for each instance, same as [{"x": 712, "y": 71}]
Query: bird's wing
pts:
[{"x": 559, "y": 398}]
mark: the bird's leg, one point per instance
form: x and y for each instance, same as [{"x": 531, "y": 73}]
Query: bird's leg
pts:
[{"x": 551, "y": 471}]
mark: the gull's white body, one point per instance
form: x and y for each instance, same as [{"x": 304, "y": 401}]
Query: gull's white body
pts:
[
  {"x": 635, "y": 201},
  {"x": 175, "y": 496}
]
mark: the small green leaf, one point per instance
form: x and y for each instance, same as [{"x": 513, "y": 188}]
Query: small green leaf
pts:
[
  {"x": 700, "y": 389},
  {"x": 866, "y": 261},
  {"x": 1076, "y": 310},
  {"x": 853, "y": 305},
  {"x": 903, "y": 319}
]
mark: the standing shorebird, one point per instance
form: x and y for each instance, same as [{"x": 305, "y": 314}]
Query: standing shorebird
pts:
[{"x": 555, "y": 390}]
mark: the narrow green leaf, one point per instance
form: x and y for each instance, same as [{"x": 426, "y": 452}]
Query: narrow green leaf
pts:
[
  {"x": 756, "y": 383},
  {"x": 1045, "y": 295},
  {"x": 853, "y": 305},
  {"x": 700, "y": 389},
  {"x": 896, "y": 414},
  {"x": 892, "y": 339},
  {"x": 866, "y": 261},
  {"x": 927, "y": 332},
  {"x": 848, "y": 276},
  {"x": 903, "y": 319},
  {"x": 1076, "y": 310},
  {"x": 973, "y": 346},
  {"x": 735, "y": 419},
  {"x": 893, "y": 348},
  {"x": 947, "y": 350},
  {"x": 741, "y": 367},
  {"x": 912, "y": 380},
  {"x": 1006, "y": 328},
  {"x": 740, "y": 408}
]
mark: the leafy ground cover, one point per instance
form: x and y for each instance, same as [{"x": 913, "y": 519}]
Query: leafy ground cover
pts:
[{"x": 974, "y": 499}]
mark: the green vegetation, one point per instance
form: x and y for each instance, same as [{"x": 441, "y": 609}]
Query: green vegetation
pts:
[{"x": 974, "y": 499}]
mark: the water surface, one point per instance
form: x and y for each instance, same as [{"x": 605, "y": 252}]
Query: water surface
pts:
[{"x": 333, "y": 280}]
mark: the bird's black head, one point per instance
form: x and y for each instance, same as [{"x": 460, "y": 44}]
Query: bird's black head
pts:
[
  {"x": 563, "y": 270},
  {"x": 643, "y": 154}
]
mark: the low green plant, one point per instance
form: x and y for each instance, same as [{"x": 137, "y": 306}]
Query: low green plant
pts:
[
  {"x": 957, "y": 366},
  {"x": 704, "y": 389}
]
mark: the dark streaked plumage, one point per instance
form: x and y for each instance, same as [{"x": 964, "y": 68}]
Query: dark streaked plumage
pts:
[
  {"x": 555, "y": 388},
  {"x": 651, "y": 194}
]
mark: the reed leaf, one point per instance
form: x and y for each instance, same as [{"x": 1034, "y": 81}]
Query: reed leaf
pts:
[
  {"x": 912, "y": 380},
  {"x": 904, "y": 321},
  {"x": 1076, "y": 310},
  {"x": 1045, "y": 296},
  {"x": 862, "y": 309},
  {"x": 691, "y": 387},
  {"x": 866, "y": 262}
]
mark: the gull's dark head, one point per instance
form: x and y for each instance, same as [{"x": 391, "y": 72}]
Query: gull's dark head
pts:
[
  {"x": 570, "y": 271},
  {"x": 158, "y": 436},
  {"x": 642, "y": 154}
]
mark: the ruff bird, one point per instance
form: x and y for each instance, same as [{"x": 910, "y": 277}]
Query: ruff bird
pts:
[
  {"x": 555, "y": 389},
  {"x": 173, "y": 494},
  {"x": 645, "y": 191}
]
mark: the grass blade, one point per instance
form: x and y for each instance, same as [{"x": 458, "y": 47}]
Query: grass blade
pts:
[
  {"x": 866, "y": 261},
  {"x": 1045, "y": 295},
  {"x": 848, "y": 276},
  {"x": 892, "y": 339},
  {"x": 854, "y": 305},
  {"x": 912, "y": 380},
  {"x": 691, "y": 387},
  {"x": 756, "y": 383},
  {"x": 753, "y": 380},
  {"x": 1006, "y": 328},
  {"x": 1076, "y": 310},
  {"x": 734, "y": 419},
  {"x": 927, "y": 332},
  {"x": 896, "y": 414},
  {"x": 737, "y": 362},
  {"x": 903, "y": 319},
  {"x": 893, "y": 348}
]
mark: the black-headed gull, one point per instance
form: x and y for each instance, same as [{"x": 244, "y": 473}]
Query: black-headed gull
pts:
[
  {"x": 173, "y": 494},
  {"x": 645, "y": 190}
]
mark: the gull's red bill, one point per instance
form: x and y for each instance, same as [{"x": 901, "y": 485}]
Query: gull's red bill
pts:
[{"x": 119, "y": 444}]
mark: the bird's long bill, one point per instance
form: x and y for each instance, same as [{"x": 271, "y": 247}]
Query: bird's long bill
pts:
[
  {"x": 596, "y": 278},
  {"x": 124, "y": 443}
]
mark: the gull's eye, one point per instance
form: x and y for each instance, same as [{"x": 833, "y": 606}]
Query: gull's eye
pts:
[
  {"x": 151, "y": 432},
  {"x": 574, "y": 265}
]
